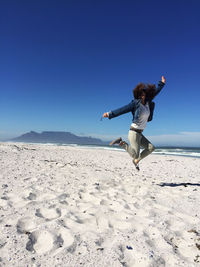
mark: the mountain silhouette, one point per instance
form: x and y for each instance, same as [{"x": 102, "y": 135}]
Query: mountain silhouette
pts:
[{"x": 57, "y": 137}]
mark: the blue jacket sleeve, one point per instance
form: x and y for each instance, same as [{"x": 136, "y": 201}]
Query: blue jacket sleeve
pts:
[
  {"x": 159, "y": 87},
  {"x": 122, "y": 110}
]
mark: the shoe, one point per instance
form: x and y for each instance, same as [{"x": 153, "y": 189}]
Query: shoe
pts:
[
  {"x": 116, "y": 141},
  {"x": 122, "y": 143},
  {"x": 136, "y": 165}
]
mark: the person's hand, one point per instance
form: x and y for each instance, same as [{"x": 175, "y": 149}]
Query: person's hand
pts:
[
  {"x": 163, "y": 79},
  {"x": 105, "y": 115}
]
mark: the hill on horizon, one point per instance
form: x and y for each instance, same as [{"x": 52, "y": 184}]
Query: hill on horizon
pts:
[{"x": 58, "y": 137}]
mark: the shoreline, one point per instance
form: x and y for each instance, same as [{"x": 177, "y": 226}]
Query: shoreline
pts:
[{"x": 168, "y": 151}]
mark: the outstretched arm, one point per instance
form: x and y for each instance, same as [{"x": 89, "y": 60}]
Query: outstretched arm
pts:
[
  {"x": 119, "y": 111},
  {"x": 160, "y": 85}
]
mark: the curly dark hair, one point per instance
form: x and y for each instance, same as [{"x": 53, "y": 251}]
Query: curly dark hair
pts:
[
  {"x": 138, "y": 90},
  {"x": 149, "y": 89}
]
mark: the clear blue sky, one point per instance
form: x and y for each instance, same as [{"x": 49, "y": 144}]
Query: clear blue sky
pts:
[{"x": 64, "y": 63}]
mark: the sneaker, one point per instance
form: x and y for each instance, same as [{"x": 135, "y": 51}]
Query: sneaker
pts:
[
  {"x": 136, "y": 165},
  {"x": 116, "y": 141},
  {"x": 122, "y": 143}
]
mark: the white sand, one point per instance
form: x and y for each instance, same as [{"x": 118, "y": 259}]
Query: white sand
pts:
[{"x": 70, "y": 206}]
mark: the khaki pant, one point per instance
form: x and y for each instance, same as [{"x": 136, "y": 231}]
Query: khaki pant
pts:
[{"x": 138, "y": 140}]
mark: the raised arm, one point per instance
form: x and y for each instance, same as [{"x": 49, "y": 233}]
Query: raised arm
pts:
[{"x": 160, "y": 85}]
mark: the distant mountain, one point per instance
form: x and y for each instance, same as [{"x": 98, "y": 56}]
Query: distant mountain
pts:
[{"x": 57, "y": 137}]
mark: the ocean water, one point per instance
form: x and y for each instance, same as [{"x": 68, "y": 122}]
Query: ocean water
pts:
[{"x": 176, "y": 151}]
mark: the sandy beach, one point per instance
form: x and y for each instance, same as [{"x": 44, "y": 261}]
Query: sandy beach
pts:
[{"x": 76, "y": 206}]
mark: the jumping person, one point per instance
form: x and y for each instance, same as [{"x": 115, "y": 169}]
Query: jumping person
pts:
[{"x": 142, "y": 108}]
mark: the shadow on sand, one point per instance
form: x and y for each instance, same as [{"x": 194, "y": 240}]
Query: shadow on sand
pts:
[{"x": 180, "y": 184}]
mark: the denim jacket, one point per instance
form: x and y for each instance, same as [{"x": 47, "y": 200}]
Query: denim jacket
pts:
[{"x": 134, "y": 107}]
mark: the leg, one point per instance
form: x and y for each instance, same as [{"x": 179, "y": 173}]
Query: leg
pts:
[
  {"x": 148, "y": 148},
  {"x": 134, "y": 148}
]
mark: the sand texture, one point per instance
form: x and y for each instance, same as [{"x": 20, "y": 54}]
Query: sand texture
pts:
[{"x": 71, "y": 206}]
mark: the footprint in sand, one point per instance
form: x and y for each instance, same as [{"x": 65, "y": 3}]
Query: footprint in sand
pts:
[
  {"x": 48, "y": 213},
  {"x": 31, "y": 196},
  {"x": 3, "y": 202},
  {"x": 65, "y": 239},
  {"x": 25, "y": 224},
  {"x": 40, "y": 242},
  {"x": 62, "y": 198},
  {"x": 44, "y": 241}
]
